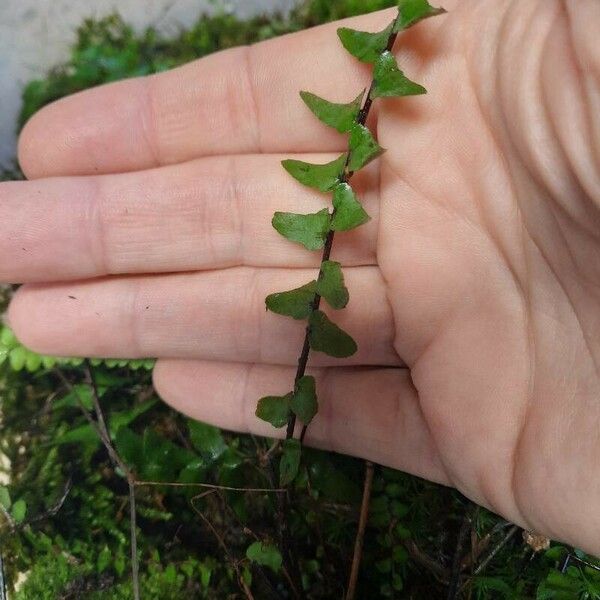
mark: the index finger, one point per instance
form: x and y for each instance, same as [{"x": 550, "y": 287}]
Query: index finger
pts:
[{"x": 243, "y": 100}]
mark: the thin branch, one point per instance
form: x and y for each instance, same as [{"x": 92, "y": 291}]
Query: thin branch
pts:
[
  {"x": 585, "y": 563},
  {"x": 360, "y": 534},
  {"x": 290, "y": 560},
  {"x": 97, "y": 406},
  {"x": 208, "y": 486},
  {"x": 492, "y": 554},
  {"x": 494, "y": 551},
  {"x": 53, "y": 510},
  {"x": 99, "y": 426},
  {"x": 3, "y": 595},
  {"x": 90, "y": 419},
  {"x": 455, "y": 576},
  {"x": 435, "y": 568},
  {"x": 135, "y": 563},
  {"x": 230, "y": 558}
]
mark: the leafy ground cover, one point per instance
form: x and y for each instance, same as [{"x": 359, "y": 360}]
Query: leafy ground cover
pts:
[{"x": 64, "y": 509}]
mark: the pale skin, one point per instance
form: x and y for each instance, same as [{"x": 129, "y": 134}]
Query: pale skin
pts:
[{"x": 475, "y": 291}]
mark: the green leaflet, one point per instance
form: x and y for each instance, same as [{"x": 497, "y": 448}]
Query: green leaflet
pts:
[
  {"x": 325, "y": 336},
  {"x": 19, "y": 511},
  {"x": 308, "y": 230},
  {"x": 295, "y": 303},
  {"x": 304, "y": 402},
  {"x": 364, "y": 45},
  {"x": 338, "y": 116},
  {"x": 390, "y": 81},
  {"x": 265, "y": 555},
  {"x": 320, "y": 177},
  {"x": 363, "y": 148},
  {"x": 413, "y": 11},
  {"x": 290, "y": 462},
  {"x": 274, "y": 410},
  {"x": 349, "y": 212},
  {"x": 207, "y": 440},
  {"x": 331, "y": 285}
]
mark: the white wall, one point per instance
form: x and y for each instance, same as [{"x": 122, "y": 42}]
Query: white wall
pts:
[{"x": 36, "y": 34}]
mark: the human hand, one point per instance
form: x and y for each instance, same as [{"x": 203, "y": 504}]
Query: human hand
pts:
[{"x": 475, "y": 289}]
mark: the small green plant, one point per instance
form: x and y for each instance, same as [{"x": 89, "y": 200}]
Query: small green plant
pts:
[{"x": 316, "y": 232}]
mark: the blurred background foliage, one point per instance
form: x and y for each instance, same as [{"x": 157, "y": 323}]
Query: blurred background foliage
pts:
[{"x": 64, "y": 523}]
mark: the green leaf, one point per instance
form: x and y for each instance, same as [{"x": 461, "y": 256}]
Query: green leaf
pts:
[
  {"x": 559, "y": 586},
  {"x": 320, "y": 177},
  {"x": 400, "y": 555},
  {"x": 206, "y": 570},
  {"x": 170, "y": 575},
  {"x": 84, "y": 434},
  {"x": 155, "y": 514},
  {"x": 398, "y": 582},
  {"x": 389, "y": 81},
  {"x": 363, "y": 148},
  {"x": 48, "y": 362},
  {"x": 18, "y": 358},
  {"x": 5, "y": 497},
  {"x": 104, "y": 559},
  {"x": 33, "y": 362},
  {"x": 309, "y": 230},
  {"x": 265, "y": 555},
  {"x": 290, "y": 461},
  {"x": 329, "y": 477},
  {"x": 120, "y": 563},
  {"x": 207, "y": 439},
  {"x": 327, "y": 337},
  {"x": 413, "y": 11},
  {"x": 304, "y": 401},
  {"x": 162, "y": 460},
  {"x": 81, "y": 394},
  {"x": 247, "y": 576},
  {"x": 295, "y": 303},
  {"x": 130, "y": 446},
  {"x": 194, "y": 472},
  {"x": 274, "y": 410},
  {"x": 8, "y": 339},
  {"x": 349, "y": 212},
  {"x": 19, "y": 511},
  {"x": 338, "y": 116},
  {"x": 331, "y": 285},
  {"x": 126, "y": 417},
  {"x": 364, "y": 45}
]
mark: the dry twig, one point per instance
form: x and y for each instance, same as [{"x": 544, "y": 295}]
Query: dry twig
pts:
[{"x": 360, "y": 534}]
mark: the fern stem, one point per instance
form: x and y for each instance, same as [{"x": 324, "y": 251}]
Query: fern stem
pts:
[{"x": 345, "y": 177}]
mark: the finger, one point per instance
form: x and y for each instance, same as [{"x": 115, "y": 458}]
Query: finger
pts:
[
  {"x": 218, "y": 315},
  {"x": 210, "y": 213},
  {"x": 371, "y": 413},
  {"x": 242, "y": 100}
]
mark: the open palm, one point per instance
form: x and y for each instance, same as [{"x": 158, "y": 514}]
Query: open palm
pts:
[{"x": 145, "y": 231}]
